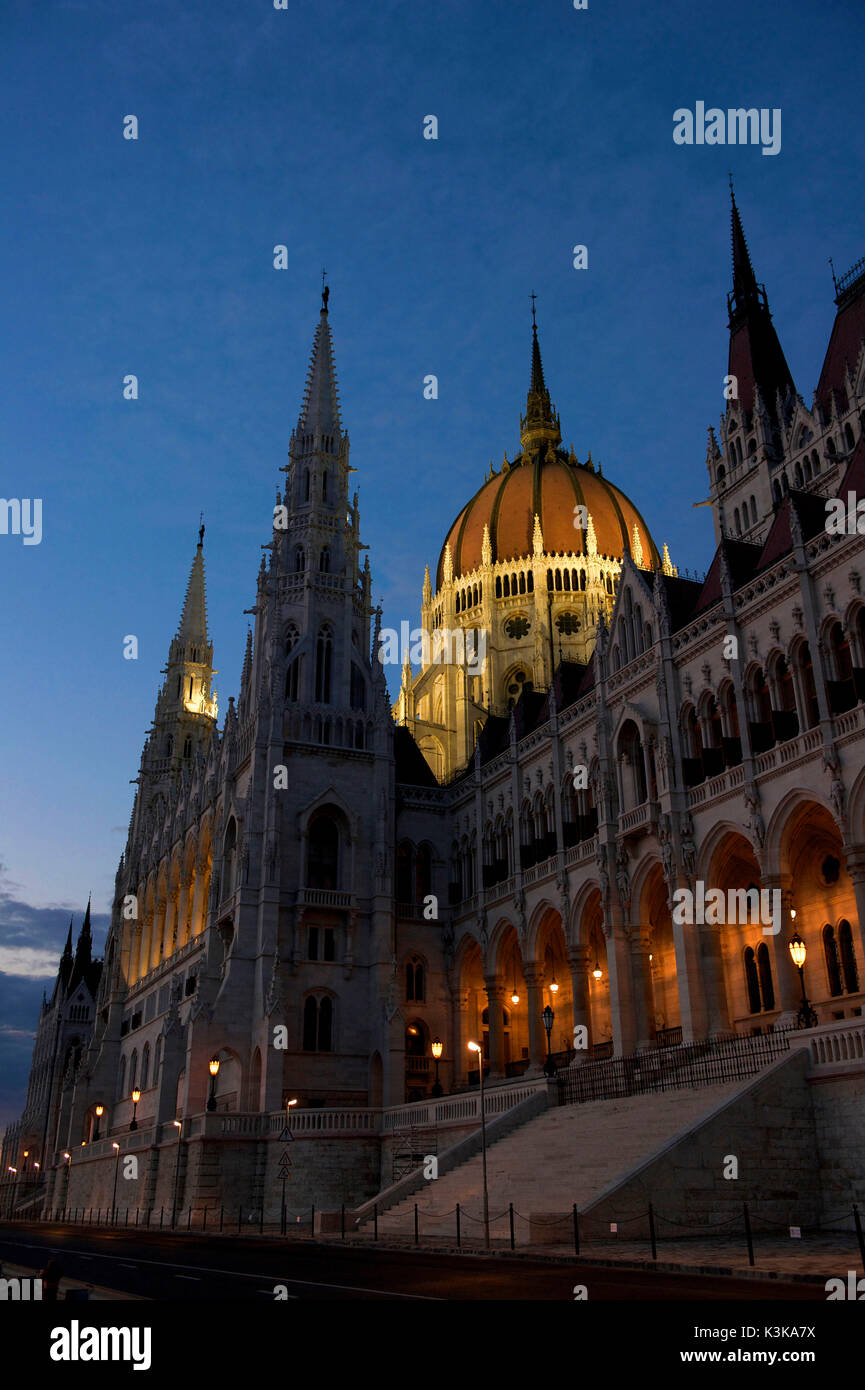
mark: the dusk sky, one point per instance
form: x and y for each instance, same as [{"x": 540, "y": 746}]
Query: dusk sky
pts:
[{"x": 304, "y": 127}]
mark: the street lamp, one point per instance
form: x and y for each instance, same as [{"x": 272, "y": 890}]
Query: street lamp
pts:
[
  {"x": 100, "y": 1111},
  {"x": 806, "y": 1017},
  {"x": 136, "y": 1096},
  {"x": 214, "y": 1070},
  {"x": 548, "y": 1017},
  {"x": 476, "y": 1047},
  {"x": 178, "y": 1125},
  {"x": 597, "y": 973},
  {"x": 67, "y": 1158},
  {"x": 437, "y": 1047},
  {"x": 14, "y": 1172},
  {"x": 116, "y": 1148},
  {"x": 26, "y": 1156}
]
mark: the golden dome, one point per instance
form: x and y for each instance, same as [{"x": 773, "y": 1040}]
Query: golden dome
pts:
[
  {"x": 545, "y": 481},
  {"x": 550, "y": 484}
]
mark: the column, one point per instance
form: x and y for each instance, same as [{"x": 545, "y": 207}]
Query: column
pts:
[
  {"x": 641, "y": 976},
  {"x": 578, "y": 962},
  {"x": 462, "y": 1060},
  {"x": 621, "y": 1005},
  {"x": 183, "y": 911},
  {"x": 534, "y": 977},
  {"x": 146, "y": 937},
  {"x": 496, "y": 999}
]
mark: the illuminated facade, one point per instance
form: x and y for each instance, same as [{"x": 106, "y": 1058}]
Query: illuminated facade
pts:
[{"x": 315, "y": 893}]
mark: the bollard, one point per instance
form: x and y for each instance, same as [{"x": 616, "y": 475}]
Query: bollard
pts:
[
  {"x": 748, "y": 1235},
  {"x": 652, "y": 1231},
  {"x": 511, "y": 1214}
]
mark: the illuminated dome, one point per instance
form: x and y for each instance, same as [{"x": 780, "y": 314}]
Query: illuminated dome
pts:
[{"x": 546, "y": 481}]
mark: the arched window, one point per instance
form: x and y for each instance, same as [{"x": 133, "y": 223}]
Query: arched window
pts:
[
  {"x": 299, "y": 560},
  {"x": 753, "y": 510},
  {"x": 318, "y": 1024},
  {"x": 807, "y": 689},
  {"x": 324, "y": 486},
  {"x": 764, "y": 968},
  {"x": 736, "y": 522},
  {"x": 157, "y": 1058},
  {"x": 833, "y": 966},
  {"x": 145, "y": 1067},
  {"x": 133, "y": 1071},
  {"x": 414, "y": 980},
  {"x": 229, "y": 845},
  {"x": 752, "y": 982},
  {"x": 292, "y": 680},
  {"x": 323, "y": 655},
  {"x": 121, "y": 1085},
  {"x": 169, "y": 745},
  {"x": 848, "y": 957},
  {"x": 187, "y": 747},
  {"x": 322, "y": 866},
  {"x": 306, "y": 484},
  {"x": 324, "y": 558}
]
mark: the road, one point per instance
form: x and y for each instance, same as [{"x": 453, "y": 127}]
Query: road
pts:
[{"x": 189, "y": 1268}]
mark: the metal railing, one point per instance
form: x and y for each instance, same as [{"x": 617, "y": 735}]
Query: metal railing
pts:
[{"x": 731, "y": 1057}]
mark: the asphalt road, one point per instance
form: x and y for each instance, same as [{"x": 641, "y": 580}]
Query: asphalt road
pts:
[{"x": 190, "y": 1268}]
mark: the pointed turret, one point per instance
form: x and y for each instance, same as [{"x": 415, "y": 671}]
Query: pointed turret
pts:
[
  {"x": 193, "y": 620},
  {"x": 319, "y": 414},
  {"x": 756, "y": 358},
  {"x": 540, "y": 422},
  {"x": 83, "y": 951},
  {"x": 66, "y": 963}
]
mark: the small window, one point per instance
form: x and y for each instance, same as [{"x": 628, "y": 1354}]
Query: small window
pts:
[
  {"x": 312, "y": 944},
  {"x": 329, "y": 944}
]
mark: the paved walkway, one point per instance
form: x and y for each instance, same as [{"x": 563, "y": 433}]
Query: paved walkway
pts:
[{"x": 816, "y": 1258}]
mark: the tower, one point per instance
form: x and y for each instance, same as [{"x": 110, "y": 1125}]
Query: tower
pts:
[{"x": 746, "y": 473}]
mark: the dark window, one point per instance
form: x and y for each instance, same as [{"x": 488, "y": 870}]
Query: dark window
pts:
[
  {"x": 848, "y": 958},
  {"x": 323, "y": 853},
  {"x": 323, "y": 652},
  {"x": 312, "y": 944},
  {"x": 329, "y": 945},
  {"x": 752, "y": 982},
  {"x": 764, "y": 966},
  {"x": 358, "y": 688},
  {"x": 833, "y": 966}
]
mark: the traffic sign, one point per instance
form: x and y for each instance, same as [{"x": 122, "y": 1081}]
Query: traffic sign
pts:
[
  {"x": 286, "y": 1136},
  {"x": 285, "y": 1175},
  {"x": 285, "y": 1161}
]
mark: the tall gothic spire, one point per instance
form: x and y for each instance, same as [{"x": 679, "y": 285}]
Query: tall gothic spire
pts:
[
  {"x": 193, "y": 619},
  {"x": 756, "y": 358},
  {"x": 319, "y": 414},
  {"x": 540, "y": 422}
]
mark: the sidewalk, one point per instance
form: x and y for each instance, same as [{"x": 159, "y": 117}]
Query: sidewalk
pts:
[
  {"x": 97, "y": 1293},
  {"x": 813, "y": 1260}
]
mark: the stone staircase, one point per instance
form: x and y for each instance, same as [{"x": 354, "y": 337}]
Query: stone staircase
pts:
[{"x": 568, "y": 1154}]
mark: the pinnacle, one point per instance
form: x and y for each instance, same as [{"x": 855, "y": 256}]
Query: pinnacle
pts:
[{"x": 193, "y": 619}]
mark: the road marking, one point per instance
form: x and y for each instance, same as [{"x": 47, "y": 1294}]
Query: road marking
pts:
[
  {"x": 277, "y": 1279},
  {"x": 193, "y": 1278}
]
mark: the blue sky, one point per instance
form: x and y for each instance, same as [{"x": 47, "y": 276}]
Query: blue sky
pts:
[{"x": 304, "y": 127}]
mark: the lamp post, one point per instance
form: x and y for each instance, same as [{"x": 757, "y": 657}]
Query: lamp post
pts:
[
  {"x": 437, "y": 1048},
  {"x": 26, "y": 1156},
  {"x": 67, "y": 1159},
  {"x": 214, "y": 1071},
  {"x": 136, "y": 1096},
  {"x": 288, "y": 1105},
  {"x": 116, "y": 1148},
  {"x": 476, "y": 1047},
  {"x": 14, "y": 1172},
  {"x": 178, "y": 1124},
  {"x": 806, "y": 1017},
  {"x": 100, "y": 1111},
  {"x": 549, "y": 1017}
]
